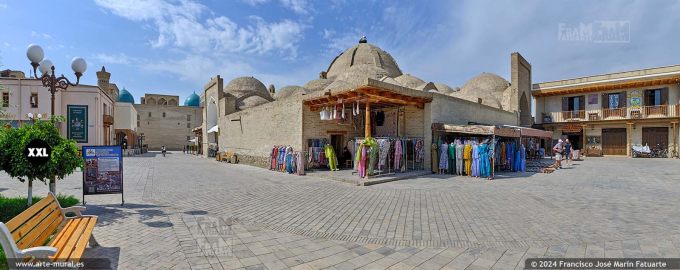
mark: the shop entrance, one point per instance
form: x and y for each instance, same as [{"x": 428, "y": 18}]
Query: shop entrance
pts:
[
  {"x": 655, "y": 137},
  {"x": 575, "y": 139},
  {"x": 614, "y": 141}
]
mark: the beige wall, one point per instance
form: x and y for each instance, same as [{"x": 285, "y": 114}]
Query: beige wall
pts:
[
  {"x": 212, "y": 92},
  {"x": 171, "y": 130},
  {"x": 253, "y": 132},
  {"x": 125, "y": 116}
]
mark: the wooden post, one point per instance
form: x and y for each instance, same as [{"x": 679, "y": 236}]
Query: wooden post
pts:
[{"x": 367, "y": 128}]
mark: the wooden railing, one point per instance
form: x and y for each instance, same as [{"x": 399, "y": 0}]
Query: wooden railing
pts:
[{"x": 663, "y": 111}]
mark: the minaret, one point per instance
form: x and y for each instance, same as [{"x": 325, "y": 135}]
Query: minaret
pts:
[{"x": 103, "y": 78}]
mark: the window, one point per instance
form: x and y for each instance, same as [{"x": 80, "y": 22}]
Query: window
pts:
[
  {"x": 34, "y": 100},
  {"x": 138, "y": 117},
  {"x": 576, "y": 103},
  {"x": 614, "y": 101},
  {"x": 163, "y": 114},
  {"x": 188, "y": 117},
  {"x": 656, "y": 97},
  {"x": 138, "y": 124},
  {"x": 5, "y": 99},
  {"x": 188, "y": 138},
  {"x": 149, "y": 114},
  {"x": 106, "y": 111},
  {"x": 188, "y": 125}
]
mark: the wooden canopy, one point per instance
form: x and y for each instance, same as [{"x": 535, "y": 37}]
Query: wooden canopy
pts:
[
  {"x": 376, "y": 96},
  {"x": 477, "y": 130},
  {"x": 605, "y": 86}
]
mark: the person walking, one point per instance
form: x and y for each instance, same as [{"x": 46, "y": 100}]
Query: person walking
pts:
[
  {"x": 567, "y": 152},
  {"x": 163, "y": 150},
  {"x": 558, "y": 150}
]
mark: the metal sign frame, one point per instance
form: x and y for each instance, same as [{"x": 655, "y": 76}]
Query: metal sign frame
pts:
[{"x": 120, "y": 164}]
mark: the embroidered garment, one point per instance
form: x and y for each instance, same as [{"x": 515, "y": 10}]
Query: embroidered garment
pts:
[{"x": 459, "y": 158}]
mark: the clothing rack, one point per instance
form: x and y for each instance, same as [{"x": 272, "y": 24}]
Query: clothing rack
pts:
[{"x": 408, "y": 157}]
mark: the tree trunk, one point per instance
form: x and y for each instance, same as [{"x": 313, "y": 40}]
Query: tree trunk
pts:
[
  {"x": 30, "y": 192},
  {"x": 53, "y": 185}
]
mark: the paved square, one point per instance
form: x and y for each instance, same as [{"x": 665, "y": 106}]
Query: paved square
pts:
[{"x": 185, "y": 212}]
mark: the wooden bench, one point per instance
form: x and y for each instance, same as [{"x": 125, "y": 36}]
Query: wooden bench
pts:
[{"x": 44, "y": 231}]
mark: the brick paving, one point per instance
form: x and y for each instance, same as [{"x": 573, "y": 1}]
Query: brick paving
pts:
[{"x": 185, "y": 212}]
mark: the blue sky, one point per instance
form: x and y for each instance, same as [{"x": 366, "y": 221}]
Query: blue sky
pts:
[{"x": 175, "y": 46}]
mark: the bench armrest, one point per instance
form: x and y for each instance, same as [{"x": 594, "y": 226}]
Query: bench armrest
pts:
[
  {"x": 39, "y": 252},
  {"x": 74, "y": 209}
]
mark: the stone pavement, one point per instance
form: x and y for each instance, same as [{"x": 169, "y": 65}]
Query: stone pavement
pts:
[{"x": 185, "y": 212}]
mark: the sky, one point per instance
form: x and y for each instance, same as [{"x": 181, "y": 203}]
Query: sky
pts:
[{"x": 176, "y": 46}]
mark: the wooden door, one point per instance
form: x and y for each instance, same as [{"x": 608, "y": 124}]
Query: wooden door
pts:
[
  {"x": 654, "y": 136},
  {"x": 614, "y": 141}
]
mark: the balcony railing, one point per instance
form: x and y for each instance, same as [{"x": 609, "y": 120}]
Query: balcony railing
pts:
[{"x": 644, "y": 112}]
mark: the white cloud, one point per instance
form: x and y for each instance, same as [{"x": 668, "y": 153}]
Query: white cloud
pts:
[
  {"x": 298, "y": 6},
  {"x": 182, "y": 25},
  {"x": 41, "y": 35},
  {"x": 3, "y": 6},
  {"x": 119, "y": 58},
  {"x": 255, "y": 2}
]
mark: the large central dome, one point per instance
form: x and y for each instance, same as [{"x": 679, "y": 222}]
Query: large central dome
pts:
[{"x": 363, "y": 53}]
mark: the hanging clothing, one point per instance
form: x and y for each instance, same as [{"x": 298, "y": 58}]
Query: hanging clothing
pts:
[
  {"x": 467, "y": 156},
  {"x": 475, "y": 160},
  {"x": 459, "y": 158},
  {"x": 397, "y": 155},
  {"x": 484, "y": 162},
  {"x": 332, "y": 159},
  {"x": 420, "y": 150},
  {"x": 523, "y": 158},
  {"x": 384, "y": 153},
  {"x": 452, "y": 158},
  {"x": 373, "y": 154},
  {"x": 360, "y": 160},
  {"x": 444, "y": 157}
]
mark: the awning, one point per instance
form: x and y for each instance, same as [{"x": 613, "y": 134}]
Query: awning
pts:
[
  {"x": 532, "y": 132},
  {"x": 193, "y": 140},
  {"x": 214, "y": 129},
  {"x": 477, "y": 130}
]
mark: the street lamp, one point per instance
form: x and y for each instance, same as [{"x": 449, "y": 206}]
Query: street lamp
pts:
[{"x": 36, "y": 54}]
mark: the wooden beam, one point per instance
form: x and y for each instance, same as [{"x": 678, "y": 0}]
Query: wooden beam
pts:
[{"x": 367, "y": 126}]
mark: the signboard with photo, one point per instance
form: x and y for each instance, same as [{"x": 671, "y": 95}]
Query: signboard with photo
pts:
[
  {"x": 103, "y": 173},
  {"x": 76, "y": 119}
]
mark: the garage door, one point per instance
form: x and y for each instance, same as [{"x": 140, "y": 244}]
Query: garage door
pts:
[
  {"x": 654, "y": 136},
  {"x": 614, "y": 141}
]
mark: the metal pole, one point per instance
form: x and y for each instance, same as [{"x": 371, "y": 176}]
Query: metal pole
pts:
[{"x": 53, "y": 182}]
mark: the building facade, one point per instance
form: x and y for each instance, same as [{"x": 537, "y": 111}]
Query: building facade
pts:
[
  {"x": 247, "y": 118},
  {"x": 162, "y": 122},
  {"x": 87, "y": 108},
  {"x": 608, "y": 114}
]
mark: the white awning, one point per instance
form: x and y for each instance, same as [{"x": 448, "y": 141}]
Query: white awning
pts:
[
  {"x": 214, "y": 129},
  {"x": 193, "y": 140}
]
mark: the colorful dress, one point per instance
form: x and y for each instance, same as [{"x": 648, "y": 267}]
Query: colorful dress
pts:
[
  {"x": 475, "y": 160},
  {"x": 452, "y": 158},
  {"x": 397, "y": 155},
  {"x": 459, "y": 158},
  {"x": 444, "y": 157},
  {"x": 484, "y": 162},
  {"x": 330, "y": 155},
  {"x": 467, "y": 156}
]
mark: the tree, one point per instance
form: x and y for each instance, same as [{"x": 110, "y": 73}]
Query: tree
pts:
[{"x": 63, "y": 160}]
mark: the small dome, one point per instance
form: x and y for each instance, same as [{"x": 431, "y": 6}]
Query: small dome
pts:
[
  {"x": 289, "y": 91},
  {"x": 356, "y": 75},
  {"x": 410, "y": 81},
  {"x": 366, "y": 54},
  {"x": 193, "y": 100},
  {"x": 487, "y": 86},
  {"x": 444, "y": 89},
  {"x": 487, "y": 83},
  {"x": 317, "y": 85},
  {"x": 242, "y": 86},
  {"x": 125, "y": 96},
  {"x": 251, "y": 101}
]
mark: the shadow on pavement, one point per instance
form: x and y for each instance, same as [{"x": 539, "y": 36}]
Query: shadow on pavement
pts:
[
  {"x": 94, "y": 255},
  {"x": 114, "y": 213}
]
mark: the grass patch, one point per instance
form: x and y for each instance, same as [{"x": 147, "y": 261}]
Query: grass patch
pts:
[{"x": 11, "y": 207}]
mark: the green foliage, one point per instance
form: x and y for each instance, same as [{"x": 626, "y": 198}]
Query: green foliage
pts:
[
  {"x": 63, "y": 161},
  {"x": 11, "y": 207}
]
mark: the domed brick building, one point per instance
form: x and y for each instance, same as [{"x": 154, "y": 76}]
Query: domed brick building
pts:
[{"x": 246, "y": 118}]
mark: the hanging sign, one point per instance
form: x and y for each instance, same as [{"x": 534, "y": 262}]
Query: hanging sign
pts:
[
  {"x": 635, "y": 99},
  {"x": 76, "y": 119},
  {"x": 572, "y": 128},
  {"x": 103, "y": 172}
]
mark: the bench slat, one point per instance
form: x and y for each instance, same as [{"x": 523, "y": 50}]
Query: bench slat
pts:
[
  {"x": 75, "y": 231},
  {"x": 26, "y": 229},
  {"x": 81, "y": 243},
  {"x": 40, "y": 233},
  {"x": 62, "y": 236},
  {"x": 24, "y": 216}
]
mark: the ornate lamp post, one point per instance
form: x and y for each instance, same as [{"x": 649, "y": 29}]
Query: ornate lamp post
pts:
[{"x": 36, "y": 54}]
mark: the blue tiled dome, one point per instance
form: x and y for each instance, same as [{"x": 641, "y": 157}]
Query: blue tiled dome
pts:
[
  {"x": 125, "y": 96},
  {"x": 192, "y": 100}
]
